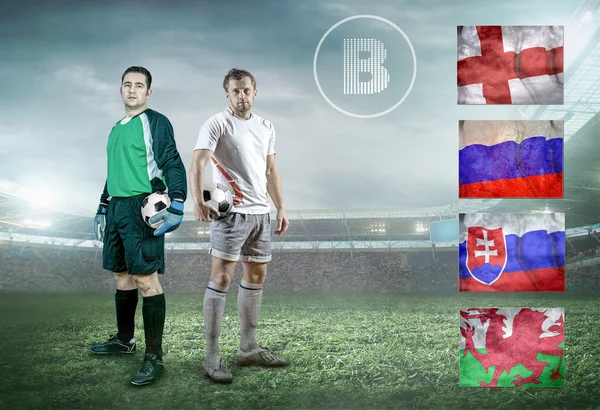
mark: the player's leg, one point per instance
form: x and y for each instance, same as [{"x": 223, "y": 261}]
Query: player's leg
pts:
[
  {"x": 214, "y": 307},
  {"x": 256, "y": 252},
  {"x": 226, "y": 238},
  {"x": 126, "y": 300},
  {"x": 249, "y": 302},
  {"x": 126, "y": 297},
  {"x": 144, "y": 253}
]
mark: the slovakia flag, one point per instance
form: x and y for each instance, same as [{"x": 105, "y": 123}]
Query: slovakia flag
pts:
[
  {"x": 510, "y": 65},
  {"x": 511, "y": 159},
  {"x": 512, "y": 252}
]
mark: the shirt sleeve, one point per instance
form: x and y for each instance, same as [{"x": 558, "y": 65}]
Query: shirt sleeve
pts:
[
  {"x": 271, "y": 149},
  {"x": 167, "y": 158},
  {"x": 105, "y": 197},
  {"x": 209, "y": 134}
]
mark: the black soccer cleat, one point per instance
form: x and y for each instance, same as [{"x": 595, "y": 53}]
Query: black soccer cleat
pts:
[
  {"x": 114, "y": 346},
  {"x": 150, "y": 370}
]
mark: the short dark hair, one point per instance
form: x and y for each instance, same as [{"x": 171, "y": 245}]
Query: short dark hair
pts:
[
  {"x": 237, "y": 74},
  {"x": 136, "y": 69}
]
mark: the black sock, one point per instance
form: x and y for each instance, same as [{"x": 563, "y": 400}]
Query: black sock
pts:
[
  {"x": 154, "y": 322},
  {"x": 126, "y": 303}
]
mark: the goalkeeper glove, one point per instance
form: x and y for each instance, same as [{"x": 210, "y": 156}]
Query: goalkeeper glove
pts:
[
  {"x": 100, "y": 221},
  {"x": 171, "y": 218}
]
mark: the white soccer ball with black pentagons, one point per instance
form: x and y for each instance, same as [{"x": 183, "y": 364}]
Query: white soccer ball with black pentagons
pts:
[
  {"x": 219, "y": 197},
  {"x": 153, "y": 204}
]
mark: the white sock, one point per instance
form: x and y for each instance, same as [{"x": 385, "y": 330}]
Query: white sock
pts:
[
  {"x": 249, "y": 300},
  {"x": 214, "y": 306}
]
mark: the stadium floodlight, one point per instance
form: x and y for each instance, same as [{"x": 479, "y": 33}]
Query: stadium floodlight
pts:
[
  {"x": 421, "y": 228},
  {"x": 378, "y": 228},
  {"x": 203, "y": 231}
]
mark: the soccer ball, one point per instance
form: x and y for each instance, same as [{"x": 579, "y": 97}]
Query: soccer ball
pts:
[
  {"x": 219, "y": 197},
  {"x": 153, "y": 204}
]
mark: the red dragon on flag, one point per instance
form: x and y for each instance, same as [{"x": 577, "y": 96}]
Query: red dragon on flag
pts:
[{"x": 523, "y": 348}]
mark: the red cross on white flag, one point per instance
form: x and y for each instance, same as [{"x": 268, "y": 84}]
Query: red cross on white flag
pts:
[{"x": 510, "y": 65}]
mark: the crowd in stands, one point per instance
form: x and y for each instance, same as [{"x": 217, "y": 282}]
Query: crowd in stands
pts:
[
  {"x": 52, "y": 269},
  {"x": 583, "y": 279},
  {"x": 583, "y": 248},
  {"x": 56, "y": 269}
]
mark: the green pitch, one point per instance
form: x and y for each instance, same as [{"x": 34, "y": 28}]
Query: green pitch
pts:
[{"x": 357, "y": 351}]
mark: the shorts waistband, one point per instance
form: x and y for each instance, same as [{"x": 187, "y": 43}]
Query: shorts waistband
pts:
[{"x": 125, "y": 198}]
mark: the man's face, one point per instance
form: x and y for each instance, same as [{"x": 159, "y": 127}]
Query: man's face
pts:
[
  {"x": 241, "y": 94},
  {"x": 134, "y": 90}
]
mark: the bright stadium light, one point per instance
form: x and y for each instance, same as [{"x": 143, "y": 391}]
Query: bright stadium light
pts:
[
  {"x": 203, "y": 231},
  {"x": 378, "y": 228},
  {"x": 421, "y": 227},
  {"x": 38, "y": 197},
  {"x": 587, "y": 17},
  {"x": 29, "y": 223}
]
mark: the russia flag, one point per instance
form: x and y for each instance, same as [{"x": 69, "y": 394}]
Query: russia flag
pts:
[
  {"x": 511, "y": 159},
  {"x": 512, "y": 252}
]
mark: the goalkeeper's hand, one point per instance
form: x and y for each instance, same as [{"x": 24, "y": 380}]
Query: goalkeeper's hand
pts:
[
  {"x": 171, "y": 218},
  {"x": 100, "y": 221}
]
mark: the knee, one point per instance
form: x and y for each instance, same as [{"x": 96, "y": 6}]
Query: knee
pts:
[
  {"x": 221, "y": 278},
  {"x": 257, "y": 273},
  {"x": 258, "y": 277},
  {"x": 148, "y": 285},
  {"x": 124, "y": 281}
]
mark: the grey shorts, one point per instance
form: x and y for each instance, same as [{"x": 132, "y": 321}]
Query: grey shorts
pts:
[{"x": 241, "y": 234}]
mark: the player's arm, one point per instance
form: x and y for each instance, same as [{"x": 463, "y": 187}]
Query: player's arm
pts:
[
  {"x": 105, "y": 197},
  {"x": 208, "y": 138},
  {"x": 275, "y": 192},
  {"x": 100, "y": 218},
  {"x": 202, "y": 210},
  {"x": 168, "y": 160}
]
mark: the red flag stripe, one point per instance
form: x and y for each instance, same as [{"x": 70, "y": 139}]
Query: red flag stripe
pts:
[
  {"x": 540, "y": 186},
  {"x": 546, "y": 280}
]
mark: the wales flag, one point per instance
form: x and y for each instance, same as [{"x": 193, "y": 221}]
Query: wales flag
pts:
[{"x": 508, "y": 347}]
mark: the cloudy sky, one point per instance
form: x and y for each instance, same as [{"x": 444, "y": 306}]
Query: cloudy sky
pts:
[{"x": 62, "y": 62}]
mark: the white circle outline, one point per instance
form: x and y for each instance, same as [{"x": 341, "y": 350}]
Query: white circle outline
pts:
[{"x": 365, "y": 16}]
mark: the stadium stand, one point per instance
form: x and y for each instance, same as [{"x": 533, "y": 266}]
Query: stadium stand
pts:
[{"x": 32, "y": 268}]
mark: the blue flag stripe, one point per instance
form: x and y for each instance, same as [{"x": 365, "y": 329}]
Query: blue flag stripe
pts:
[
  {"x": 535, "y": 250},
  {"x": 532, "y": 157}
]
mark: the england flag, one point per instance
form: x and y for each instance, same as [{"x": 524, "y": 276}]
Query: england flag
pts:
[{"x": 510, "y": 65}]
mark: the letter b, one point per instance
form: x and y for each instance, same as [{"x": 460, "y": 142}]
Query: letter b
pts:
[{"x": 373, "y": 65}]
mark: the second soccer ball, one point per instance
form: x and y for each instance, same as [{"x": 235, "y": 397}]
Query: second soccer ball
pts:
[{"x": 219, "y": 197}]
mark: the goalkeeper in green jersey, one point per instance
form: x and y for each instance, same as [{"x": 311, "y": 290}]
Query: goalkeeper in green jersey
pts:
[{"x": 142, "y": 158}]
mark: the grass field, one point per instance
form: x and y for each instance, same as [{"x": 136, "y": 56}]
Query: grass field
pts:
[{"x": 358, "y": 351}]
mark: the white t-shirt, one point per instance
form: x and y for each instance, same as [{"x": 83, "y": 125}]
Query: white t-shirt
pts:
[{"x": 240, "y": 148}]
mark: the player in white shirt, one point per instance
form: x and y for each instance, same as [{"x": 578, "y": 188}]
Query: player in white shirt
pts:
[{"x": 241, "y": 147}]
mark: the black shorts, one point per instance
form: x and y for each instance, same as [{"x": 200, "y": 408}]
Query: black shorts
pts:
[{"x": 129, "y": 243}]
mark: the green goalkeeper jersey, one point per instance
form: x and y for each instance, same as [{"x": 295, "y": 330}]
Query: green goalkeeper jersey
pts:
[{"x": 143, "y": 158}]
